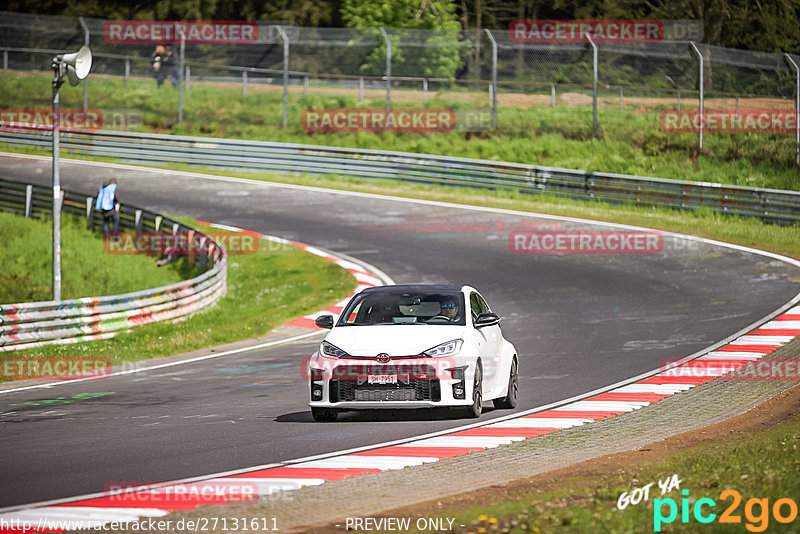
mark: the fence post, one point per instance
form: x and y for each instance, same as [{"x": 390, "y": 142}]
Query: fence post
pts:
[
  {"x": 594, "y": 84},
  {"x": 127, "y": 70},
  {"x": 424, "y": 89},
  {"x": 180, "y": 76},
  {"x": 737, "y": 104},
  {"x": 89, "y": 213},
  {"x": 552, "y": 95},
  {"x": 621, "y": 100},
  {"x": 361, "y": 89},
  {"x": 388, "y": 70},
  {"x": 285, "y": 39},
  {"x": 244, "y": 82},
  {"x": 188, "y": 76},
  {"x": 85, "y": 80},
  {"x": 702, "y": 118},
  {"x": 679, "y": 99},
  {"x": 493, "y": 86},
  {"x": 5, "y": 62},
  {"x": 28, "y": 200},
  {"x": 796, "y": 68},
  {"x": 305, "y": 85}
]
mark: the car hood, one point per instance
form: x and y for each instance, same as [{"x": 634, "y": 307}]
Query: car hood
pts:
[{"x": 393, "y": 339}]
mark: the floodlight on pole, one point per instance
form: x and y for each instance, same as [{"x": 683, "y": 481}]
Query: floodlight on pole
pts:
[{"x": 75, "y": 67}]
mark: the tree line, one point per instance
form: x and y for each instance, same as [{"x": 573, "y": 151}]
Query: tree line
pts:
[{"x": 768, "y": 25}]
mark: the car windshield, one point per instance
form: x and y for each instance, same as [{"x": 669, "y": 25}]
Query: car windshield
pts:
[{"x": 405, "y": 307}]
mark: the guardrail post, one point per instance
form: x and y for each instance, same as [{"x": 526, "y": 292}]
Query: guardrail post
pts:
[
  {"x": 188, "y": 77},
  {"x": 388, "y": 70},
  {"x": 285, "y": 76},
  {"x": 424, "y": 89},
  {"x": 493, "y": 86},
  {"x": 361, "y": 89},
  {"x": 127, "y": 70},
  {"x": 86, "y": 79},
  {"x": 28, "y": 200},
  {"x": 594, "y": 84},
  {"x": 157, "y": 222},
  {"x": 137, "y": 220},
  {"x": 305, "y": 85},
  {"x": 796, "y": 68},
  {"x": 244, "y": 82},
  {"x": 702, "y": 118},
  {"x": 552, "y": 95},
  {"x": 5, "y": 62},
  {"x": 180, "y": 76},
  {"x": 175, "y": 228},
  {"x": 89, "y": 212}
]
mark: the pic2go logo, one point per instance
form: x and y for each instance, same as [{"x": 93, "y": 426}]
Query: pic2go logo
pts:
[{"x": 756, "y": 511}]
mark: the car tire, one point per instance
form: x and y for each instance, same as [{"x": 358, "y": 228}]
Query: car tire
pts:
[
  {"x": 510, "y": 400},
  {"x": 324, "y": 415},
  {"x": 475, "y": 410}
]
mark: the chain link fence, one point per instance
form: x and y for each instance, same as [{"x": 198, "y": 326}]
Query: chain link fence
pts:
[{"x": 407, "y": 67}]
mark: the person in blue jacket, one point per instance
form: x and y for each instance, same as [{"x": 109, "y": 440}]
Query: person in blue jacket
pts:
[{"x": 108, "y": 204}]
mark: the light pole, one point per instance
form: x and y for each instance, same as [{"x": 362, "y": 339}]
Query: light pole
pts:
[{"x": 76, "y": 67}]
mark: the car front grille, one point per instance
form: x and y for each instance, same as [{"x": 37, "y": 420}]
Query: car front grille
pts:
[{"x": 354, "y": 386}]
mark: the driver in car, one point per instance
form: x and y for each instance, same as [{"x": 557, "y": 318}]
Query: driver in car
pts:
[{"x": 450, "y": 309}]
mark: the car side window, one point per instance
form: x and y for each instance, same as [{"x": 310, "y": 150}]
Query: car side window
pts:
[
  {"x": 475, "y": 305},
  {"x": 484, "y": 306}
]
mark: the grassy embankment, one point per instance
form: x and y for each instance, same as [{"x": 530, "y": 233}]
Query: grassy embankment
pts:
[
  {"x": 628, "y": 142},
  {"x": 265, "y": 289}
]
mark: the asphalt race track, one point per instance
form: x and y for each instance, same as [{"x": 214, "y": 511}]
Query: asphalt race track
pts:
[{"x": 580, "y": 322}]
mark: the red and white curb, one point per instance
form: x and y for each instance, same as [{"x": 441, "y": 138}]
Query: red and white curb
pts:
[
  {"x": 159, "y": 501},
  {"x": 364, "y": 278}
]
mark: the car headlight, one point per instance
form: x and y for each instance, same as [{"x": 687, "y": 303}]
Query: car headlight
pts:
[
  {"x": 329, "y": 349},
  {"x": 449, "y": 347}
]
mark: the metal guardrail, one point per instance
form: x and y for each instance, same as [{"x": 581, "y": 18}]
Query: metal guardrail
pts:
[
  {"x": 770, "y": 205},
  {"x": 34, "y": 324}
]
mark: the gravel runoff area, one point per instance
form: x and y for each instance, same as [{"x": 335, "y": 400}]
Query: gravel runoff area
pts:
[{"x": 369, "y": 495}]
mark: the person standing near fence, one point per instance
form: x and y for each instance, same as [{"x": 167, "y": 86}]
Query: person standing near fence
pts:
[{"x": 108, "y": 204}]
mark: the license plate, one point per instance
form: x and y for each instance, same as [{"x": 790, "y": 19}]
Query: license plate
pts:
[{"x": 381, "y": 379}]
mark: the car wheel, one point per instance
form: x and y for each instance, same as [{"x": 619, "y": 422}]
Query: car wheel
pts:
[
  {"x": 322, "y": 415},
  {"x": 477, "y": 398},
  {"x": 510, "y": 400}
]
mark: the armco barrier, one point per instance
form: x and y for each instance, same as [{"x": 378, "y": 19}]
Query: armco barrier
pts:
[
  {"x": 155, "y": 149},
  {"x": 33, "y": 324}
]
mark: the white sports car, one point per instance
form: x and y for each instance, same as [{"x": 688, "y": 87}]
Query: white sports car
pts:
[{"x": 412, "y": 346}]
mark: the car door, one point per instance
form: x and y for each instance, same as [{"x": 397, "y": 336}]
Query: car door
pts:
[{"x": 490, "y": 342}]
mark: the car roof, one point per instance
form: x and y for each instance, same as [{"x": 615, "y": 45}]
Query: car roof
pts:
[{"x": 414, "y": 287}]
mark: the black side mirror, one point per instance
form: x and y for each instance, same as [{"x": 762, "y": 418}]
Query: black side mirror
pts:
[
  {"x": 324, "y": 321},
  {"x": 487, "y": 319}
]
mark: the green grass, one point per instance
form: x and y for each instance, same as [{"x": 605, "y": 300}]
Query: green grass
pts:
[
  {"x": 265, "y": 289},
  {"x": 628, "y": 142},
  {"x": 86, "y": 270},
  {"x": 760, "y": 465}
]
